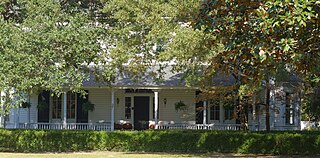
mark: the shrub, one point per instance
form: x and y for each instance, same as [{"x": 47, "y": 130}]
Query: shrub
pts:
[{"x": 281, "y": 143}]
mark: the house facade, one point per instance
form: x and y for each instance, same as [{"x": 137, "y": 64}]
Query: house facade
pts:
[{"x": 129, "y": 105}]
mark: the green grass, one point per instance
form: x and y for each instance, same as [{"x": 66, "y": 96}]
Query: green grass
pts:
[{"x": 105, "y": 154}]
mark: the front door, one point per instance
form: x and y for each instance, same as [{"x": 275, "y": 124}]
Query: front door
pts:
[{"x": 141, "y": 112}]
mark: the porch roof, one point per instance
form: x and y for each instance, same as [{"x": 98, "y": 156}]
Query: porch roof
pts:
[{"x": 169, "y": 80}]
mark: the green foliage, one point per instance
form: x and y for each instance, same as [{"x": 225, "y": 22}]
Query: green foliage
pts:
[
  {"x": 48, "y": 48},
  {"x": 263, "y": 41},
  {"x": 148, "y": 33},
  {"x": 45, "y": 45},
  {"x": 26, "y": 105},
  {"x": 88, "y": 106},
  {"x": 180, "y": 106},
  {"x": 310, "y": 105},
  {"x": 283, "y": 143}
]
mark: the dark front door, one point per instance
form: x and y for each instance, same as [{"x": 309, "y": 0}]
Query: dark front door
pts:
[
  {"x": 82, "y": 116},
  {"x": 141, "y": 113}
]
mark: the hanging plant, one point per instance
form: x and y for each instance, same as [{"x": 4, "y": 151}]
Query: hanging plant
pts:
[
  {"x": 26, "y": 105},
  {"x": 179, "y": 106},
  {"x": 42, "y": 105},
  {"x": 87, "y": 106}
]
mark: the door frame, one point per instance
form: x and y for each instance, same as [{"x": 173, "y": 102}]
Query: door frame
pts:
[
  {"x": 135, "y": 111},
  {"x": 132, "y": 95}
]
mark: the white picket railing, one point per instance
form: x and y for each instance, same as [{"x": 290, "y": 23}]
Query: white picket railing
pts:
[
  {"x": 68, "y": 126},
  {"x": 232, "y": 127}
]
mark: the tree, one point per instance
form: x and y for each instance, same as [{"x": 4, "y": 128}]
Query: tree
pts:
[
  {"x": 148, "y": 33},
  {"x": 263, "y": 39},
  {"x": 45, "y": 45}
]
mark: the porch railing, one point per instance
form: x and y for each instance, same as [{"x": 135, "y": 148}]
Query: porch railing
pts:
[
  {"x": 287, "y": 128},
  {"x": 232, "y": 127},
  {"x": 68, "y": 126}
]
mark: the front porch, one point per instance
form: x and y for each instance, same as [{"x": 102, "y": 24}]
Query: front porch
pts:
[
  {"x": 122, "y": 109},
  {"x": 136, "y": 109}
]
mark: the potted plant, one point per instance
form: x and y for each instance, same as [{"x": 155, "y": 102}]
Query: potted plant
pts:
[
  {"x": 26, "y": 105},
  {"x": 87, "y": 106},
  {"x": 180, "y": 106}
]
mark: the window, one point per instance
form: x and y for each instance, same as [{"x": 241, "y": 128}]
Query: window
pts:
[
  {"x": 214, "y": 110},
  {"x": 127, "y": 107},
  {"x": 289, "y": 110},
  {"x": 229, "y": 105},
  {"x": 154, "y": 109},
  {"x": 71, "y": 105},
  {"x": 56, "y": 107},
  {"x": 228, "y": 113}
]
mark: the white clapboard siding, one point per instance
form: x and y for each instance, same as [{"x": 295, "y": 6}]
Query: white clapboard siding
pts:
[
  {"x": 168, "y": 113},
  {"x": 101, "y": 98},
  {"x": 119, "y": 110},
  {"x": 23, "y": 115}
]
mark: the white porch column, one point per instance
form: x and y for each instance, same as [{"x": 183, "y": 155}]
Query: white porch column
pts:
[
  {"x": 64, "y": 109},
  {"x": 204, "y": 112},
  {"x": 112, "y": 109},
  {"x": 156, "y": 105}
]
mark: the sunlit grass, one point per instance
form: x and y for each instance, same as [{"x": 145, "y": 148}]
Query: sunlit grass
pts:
[{"x": 106, "y": 154}]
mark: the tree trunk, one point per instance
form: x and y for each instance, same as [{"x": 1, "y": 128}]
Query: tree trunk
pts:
[{"x": 268, "y": 107}]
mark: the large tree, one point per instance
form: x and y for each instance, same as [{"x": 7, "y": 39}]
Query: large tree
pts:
[
  {"x": 263, "y": 39},
  {"x": 45, "y": 45},
  {"x": 148, "y": 33}
]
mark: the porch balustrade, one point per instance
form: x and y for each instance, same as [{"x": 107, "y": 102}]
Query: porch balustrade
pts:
[
  {"x": 68, "y": 126},
  {"x": 232, "y": 127},
  {"x": 107, "y": 126}
]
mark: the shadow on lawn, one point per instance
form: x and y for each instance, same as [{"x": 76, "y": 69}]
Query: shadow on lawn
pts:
[{"x": 177, "y": 154}]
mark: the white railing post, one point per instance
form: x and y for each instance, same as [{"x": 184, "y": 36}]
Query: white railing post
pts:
[{"x": 64, "y": 109}]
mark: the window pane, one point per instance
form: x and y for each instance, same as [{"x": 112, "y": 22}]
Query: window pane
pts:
[
  {"x": 289, "y": 110},
  {"x": 71, "y": 105},
  {"x": 56, "y": 107},
  {"x": 127, "y": 107},
  {"x": 214, "y": 110}
]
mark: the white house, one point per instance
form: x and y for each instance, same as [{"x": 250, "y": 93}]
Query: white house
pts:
[{"x": 147, "y": 104}]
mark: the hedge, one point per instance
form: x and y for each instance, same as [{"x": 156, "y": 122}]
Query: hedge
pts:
[{"x": 279, "y": 143}]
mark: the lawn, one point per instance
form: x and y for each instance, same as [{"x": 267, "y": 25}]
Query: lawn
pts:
[{"x": 105, "y": 154}]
